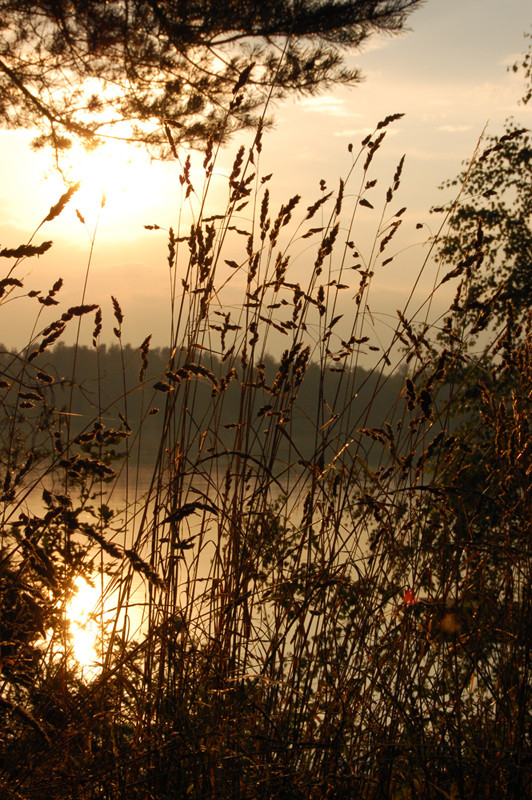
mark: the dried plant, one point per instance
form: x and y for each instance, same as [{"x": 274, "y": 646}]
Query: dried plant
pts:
[{"x": 323, "y": 589}]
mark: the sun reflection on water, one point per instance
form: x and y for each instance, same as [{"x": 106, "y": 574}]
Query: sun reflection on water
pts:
[{"x": 84, "y": 628}]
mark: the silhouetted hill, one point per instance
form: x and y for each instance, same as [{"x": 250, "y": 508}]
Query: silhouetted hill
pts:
[{"x": 87, "y": 385}]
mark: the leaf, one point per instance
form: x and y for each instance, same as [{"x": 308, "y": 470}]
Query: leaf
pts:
[
  {"x": 311, "y": 232},
  {"x": 333, "y": 322},
  {"x": 187, "y": 509},
  {"x": 27, "y": 250},
  {"x": 56, "y": 209},
  {"x": 243, "y": 77},
  {"x": 410, "y": 598}
]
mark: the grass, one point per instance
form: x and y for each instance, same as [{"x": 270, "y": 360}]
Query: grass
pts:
[{"x": 333, "y": 602}]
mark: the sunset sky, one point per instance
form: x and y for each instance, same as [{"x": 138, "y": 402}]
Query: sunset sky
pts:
[{"x": 448, "y": 74}]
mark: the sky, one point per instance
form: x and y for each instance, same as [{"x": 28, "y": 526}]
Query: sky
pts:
[{"x": 447, "y": 74}]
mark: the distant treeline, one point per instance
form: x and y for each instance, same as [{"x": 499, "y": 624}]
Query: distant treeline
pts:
[{"x": 125, "y": 389}]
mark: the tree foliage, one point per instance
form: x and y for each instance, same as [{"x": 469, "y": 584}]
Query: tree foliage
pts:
[
  {"x": 91, "y": 68},
  {"x": 496, "y": 204}
]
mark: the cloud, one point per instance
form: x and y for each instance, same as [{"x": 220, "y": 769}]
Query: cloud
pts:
[
  {"x": 510, "y": 60},
  {"x": 454, "y": 128},
  {"x": 333, "y": 106},
  {"x": 354, "y": 132},
  {"x": 365, "y": 132},
  {"x": 374, "y": 43}
]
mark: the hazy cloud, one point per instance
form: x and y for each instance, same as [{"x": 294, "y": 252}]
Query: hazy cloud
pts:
[
  {"x": 333, "y": 106},
  {"x": 454, "y": 128},
  {"x": 354, "y": 132},
  {"x": 363, "y": 132},
  {"x": 510, "y": 59}
]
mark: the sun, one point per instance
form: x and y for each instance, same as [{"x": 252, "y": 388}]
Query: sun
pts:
[{"x": 116, "y": 182}]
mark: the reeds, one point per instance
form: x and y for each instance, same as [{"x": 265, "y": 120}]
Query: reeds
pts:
[{"x": 323, "y": 590}]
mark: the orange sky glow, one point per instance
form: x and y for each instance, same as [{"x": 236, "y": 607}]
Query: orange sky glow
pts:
[{"x": 448, "y": 75}]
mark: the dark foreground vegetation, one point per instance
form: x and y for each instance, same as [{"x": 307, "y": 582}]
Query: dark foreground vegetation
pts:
[{"x": 334, "y": 563}]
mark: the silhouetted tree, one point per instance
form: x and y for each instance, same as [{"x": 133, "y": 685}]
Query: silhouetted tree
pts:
[
  {"x": 89, "y": 68},
  {"x": 494, "y": 217}
]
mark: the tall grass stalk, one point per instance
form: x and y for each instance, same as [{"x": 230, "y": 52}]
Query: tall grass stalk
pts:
[{"x": 323, "y": 589}]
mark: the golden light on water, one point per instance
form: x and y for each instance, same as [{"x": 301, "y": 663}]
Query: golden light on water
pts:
[
  {"x": 83, "y": 626},
  {"x": 92, "y": 608}
]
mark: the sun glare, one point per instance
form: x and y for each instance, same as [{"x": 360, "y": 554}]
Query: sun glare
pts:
[
  {"x": 83, "y": 627},
  {"x": 114, "y": 177}
]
